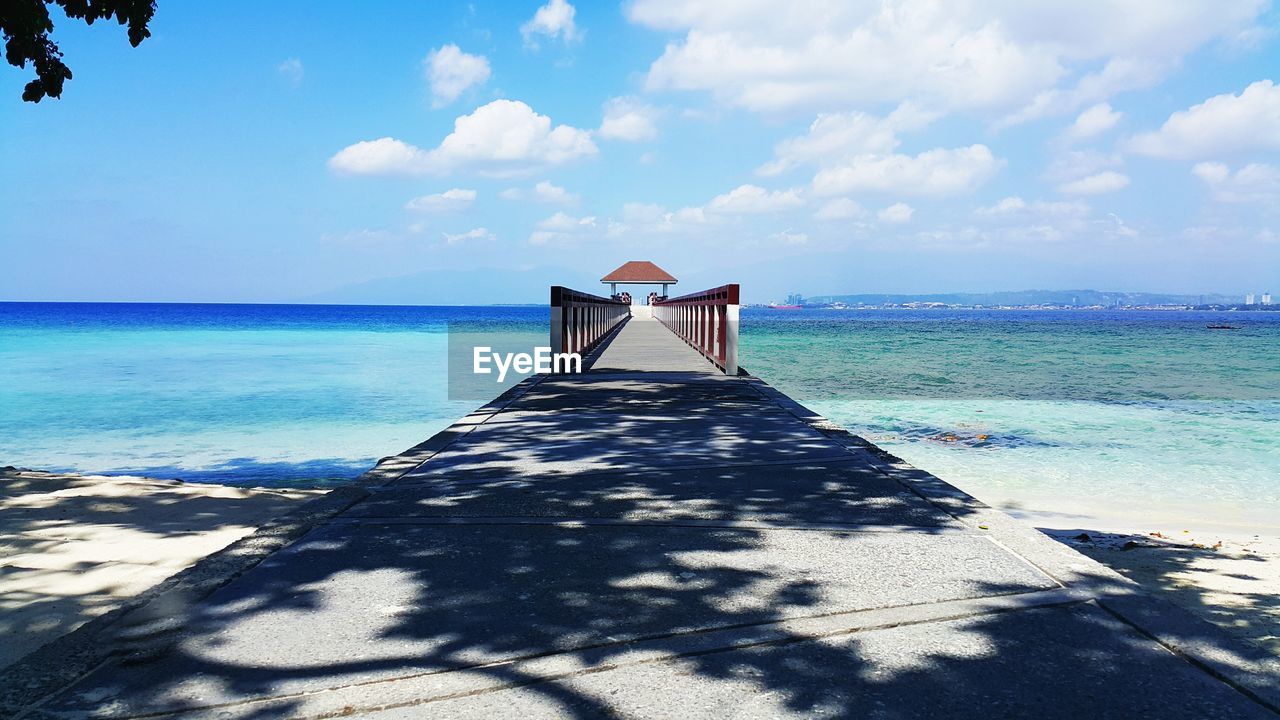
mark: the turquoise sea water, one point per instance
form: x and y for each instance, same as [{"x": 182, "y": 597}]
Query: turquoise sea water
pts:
[{"x": 1075, "y": 417}]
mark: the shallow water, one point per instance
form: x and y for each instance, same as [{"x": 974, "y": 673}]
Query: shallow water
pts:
[
  {"x": 1075, "y": 415},
  {"x": 1072, "y": 417}
]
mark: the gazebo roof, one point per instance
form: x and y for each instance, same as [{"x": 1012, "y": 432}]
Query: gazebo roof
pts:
[{"x": 639, "y": 271}]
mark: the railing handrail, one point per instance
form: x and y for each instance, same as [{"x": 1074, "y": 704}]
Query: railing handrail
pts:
[
  {"x": 723, "y": 295},
  {"x": 580, "y": 321},
  {"x": 560, "y": 294},
  {"x": 708, "y": 321}
]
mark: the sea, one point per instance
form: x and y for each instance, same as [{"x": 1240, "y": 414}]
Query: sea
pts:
[{"x": 1137, "y": 420}]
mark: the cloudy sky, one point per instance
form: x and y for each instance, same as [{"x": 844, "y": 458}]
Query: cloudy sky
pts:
[{"x": 275, "y": 151}]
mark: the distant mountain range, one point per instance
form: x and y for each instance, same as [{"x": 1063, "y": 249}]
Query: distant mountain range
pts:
[
  {"x": 1034, "y": 297},
  {"x": 494, "y": 286}
]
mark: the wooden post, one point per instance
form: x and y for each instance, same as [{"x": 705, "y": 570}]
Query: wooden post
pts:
[{"x": 557, "y": 320}]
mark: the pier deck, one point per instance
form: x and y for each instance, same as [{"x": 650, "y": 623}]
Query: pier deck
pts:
[{"x": 655, "y": 539}]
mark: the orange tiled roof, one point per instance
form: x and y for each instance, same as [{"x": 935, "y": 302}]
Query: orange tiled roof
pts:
[{"x": 639, "y": 271}]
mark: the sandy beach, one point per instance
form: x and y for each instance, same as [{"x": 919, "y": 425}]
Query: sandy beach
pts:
[
  {"x": 1230, "y": 580},
  {"x": 73, "y": 547}
]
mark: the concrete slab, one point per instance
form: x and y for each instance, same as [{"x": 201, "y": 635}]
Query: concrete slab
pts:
[
  {"x": 561, "y": 443},
  {"x": 1067, "y": 663},
  {"x": 354, "y": 604},
  {"x": 650, "y": 346},
  {"x": 850, "y": 492},
  {"x": 649, "y": 393}
]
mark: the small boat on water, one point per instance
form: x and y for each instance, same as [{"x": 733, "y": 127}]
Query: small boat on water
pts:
[
  {"x": 785, "y": 307},
  {"x": 1222, "y": 327}
]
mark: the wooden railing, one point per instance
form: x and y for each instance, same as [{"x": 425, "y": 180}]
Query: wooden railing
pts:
[
  {"x": 708, "y": 321},
  {"x": 579, "y": 321}
]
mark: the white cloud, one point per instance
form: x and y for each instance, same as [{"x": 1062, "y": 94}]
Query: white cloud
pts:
[
  {"x": 647, "y": 220},
  {"x": 935, "y": 172},
  {"x": 841, "y": 135},
  {"x": 450, "y": 72},
  {"x": 449, "y": 200},
  {"x": 562, "y": 228},
  {"x": 753, "y": 199},
  {"x": 563, "y": 221},
  {"x": 1253, "y": 183},
  {"x": 292, "y": 71},
  {"x": 1118, "y": 75},
  {"x": 502, "y": 138},
  {"x": 1213, "y": 173},
  {"x": 1014, "y": 220},
  {"x": 1004, "y": 207},
  {"x": 626, "y": 118},
  {"x": 384, "y": 156},
  {"x": 1103, "y": 182},
  {"x": 1074, "y": 164},
  {"x": 555, "y": 19},
  {"x": 543, "y": 191},
  {"x": 1014, "y": 207},
  {"x": 548, "y": 193},
  {"x": 789, "y": 237},
  {"x": 855, "y": 151},
  {"x": 896, "y": 214},
  {"x": 1092, "y": 122},
  {"x": 836, "y": 54},
  {"x": 1222, "y": 125},
  {"x": 840, "y": 209},
  {"x": 476, "y": 234}
]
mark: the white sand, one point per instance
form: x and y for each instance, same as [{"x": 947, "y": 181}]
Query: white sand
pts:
[
  {"x": 1230, "y": 580},
  {"x": 72, "y": 547}
]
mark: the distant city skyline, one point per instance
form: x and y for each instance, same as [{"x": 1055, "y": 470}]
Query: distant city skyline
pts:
[{"x": 825, "y": 147}]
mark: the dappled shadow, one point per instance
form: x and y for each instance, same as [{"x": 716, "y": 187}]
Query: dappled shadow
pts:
[
  {"x": 75, "y": 546},
  {"x": 1223, "y": 582},
  {"x": 632, "y": 422},
  {"x": 546, "y": 561}
]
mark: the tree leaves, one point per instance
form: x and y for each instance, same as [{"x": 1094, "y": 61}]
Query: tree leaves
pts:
[{"x": 25, "y": 26}]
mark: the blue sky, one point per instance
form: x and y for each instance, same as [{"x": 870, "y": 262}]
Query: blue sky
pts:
[{"x": 287, "y": 151}]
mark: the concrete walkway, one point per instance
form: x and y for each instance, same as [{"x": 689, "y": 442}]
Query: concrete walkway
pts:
[{"x": 650, "y": 540}]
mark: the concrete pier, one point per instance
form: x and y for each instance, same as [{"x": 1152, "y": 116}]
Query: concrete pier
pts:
[{"x": 653, "y": 538}]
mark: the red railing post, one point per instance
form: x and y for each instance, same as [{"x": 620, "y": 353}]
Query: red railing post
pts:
[
  {"x": 579, "y": 321},
  {"x": 707, "y": 321}
]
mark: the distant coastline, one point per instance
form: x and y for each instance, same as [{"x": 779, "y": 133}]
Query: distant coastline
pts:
[
  {"x": 923, "y": 305},
  {"x": 1040, "y": 300}
]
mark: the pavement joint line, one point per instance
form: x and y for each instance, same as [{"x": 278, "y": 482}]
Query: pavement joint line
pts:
[
  {"x": 1191, "y": 658},
  {"x": 775, "y": 632},
  {"x": 574, "y": 522},
  {"x": 848, "y": 456},
  {"x": 1027, "y": 561},
  {"x": 624, "y": 413}
]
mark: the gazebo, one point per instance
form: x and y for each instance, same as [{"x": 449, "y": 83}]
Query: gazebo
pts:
[{"x": 638, "y": 272}]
